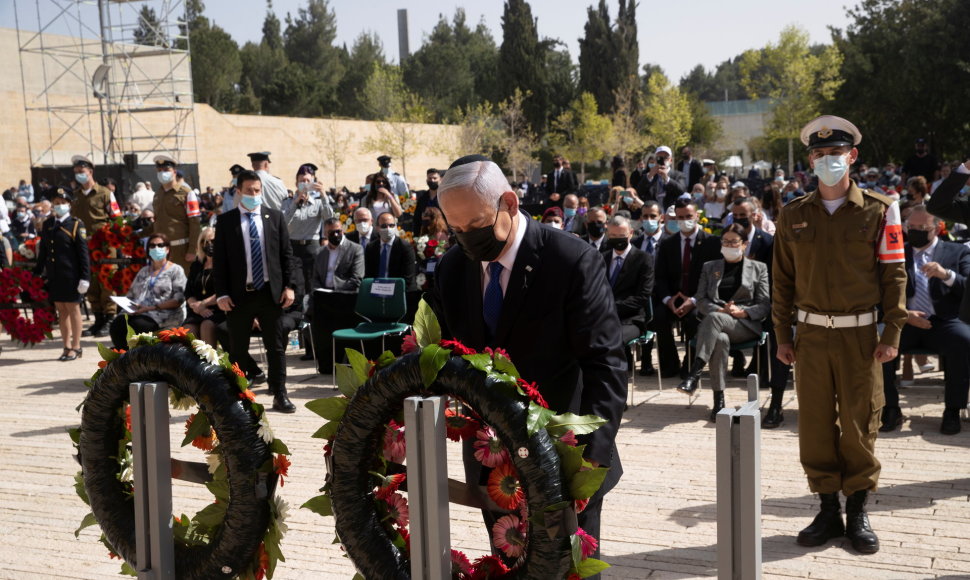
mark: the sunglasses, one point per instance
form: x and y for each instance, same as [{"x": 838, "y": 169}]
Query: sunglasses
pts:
[{"x": 160, "y": 245}]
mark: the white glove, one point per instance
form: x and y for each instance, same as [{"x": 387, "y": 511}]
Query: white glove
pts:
[{"x": 83, "y": 286}]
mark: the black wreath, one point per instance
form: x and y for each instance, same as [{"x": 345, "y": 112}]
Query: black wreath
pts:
[
  {"x": 359, "y": 438},
  {"x": 243, "y": 452}
]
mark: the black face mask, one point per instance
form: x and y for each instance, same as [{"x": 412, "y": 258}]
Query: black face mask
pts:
[
  {"x": 208, "y": 248},
  {"x": 918, "y": 238},
  {"x": 432, "y": 185},
  {"x": 743, "y": 222},
  {"x": 335, "y": 237},
  {"x": 595, "y": 229},
  {"x": 619, "y": 244},
  {"x": 480, "y": 245}
]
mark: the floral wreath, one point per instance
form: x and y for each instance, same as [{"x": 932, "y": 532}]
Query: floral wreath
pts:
[
  {"x": 236, "y": 536},
  {"x": 427, "y": 248},
  {"x": 14, "y": 282},
  {"x": 116, "y": 274},
  {"x": 27, "y": 251},
  {"x": 540, "y": 487}
]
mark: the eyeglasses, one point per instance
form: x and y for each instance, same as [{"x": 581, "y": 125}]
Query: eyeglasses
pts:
[
  {"x": 387, "y": 226},
  {"x": 159, "y": 245},
  {"x": 731, "y": 243}
]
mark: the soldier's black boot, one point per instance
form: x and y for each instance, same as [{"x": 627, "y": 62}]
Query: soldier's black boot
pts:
[
  {"x": 857, "y": 527},
  {"x": 690, "y": 383},
  {"x": 96, "y": 327},
  {"x": 826, "y": 525},
  {"x": 774, "y": 417},
  {"x": 105, "y": 327},
  {"x": 281, "y": 402},
  {"x": 718, "y": 405}
]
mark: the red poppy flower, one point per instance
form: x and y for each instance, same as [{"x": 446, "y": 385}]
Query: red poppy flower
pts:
[{"x": 456, "y": 347}]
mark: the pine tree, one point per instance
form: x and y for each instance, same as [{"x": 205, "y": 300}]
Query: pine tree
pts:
[
  {"x": 597, "y": 57},
  {"x": 521, "y": 61}
]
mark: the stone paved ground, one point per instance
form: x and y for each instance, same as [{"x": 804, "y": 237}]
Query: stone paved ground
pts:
[{"x": 659, "y": 522}]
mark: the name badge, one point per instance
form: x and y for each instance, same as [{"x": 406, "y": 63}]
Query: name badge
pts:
[
  {"x": 430, "y": 266},
  {"x": 384, "y": 289},
  {"x": 800, "y": 226}
]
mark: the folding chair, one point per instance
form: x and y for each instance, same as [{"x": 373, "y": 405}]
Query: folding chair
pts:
[
  {"x": 382, "y": 303},
  {"x": 636, "y": 346}
]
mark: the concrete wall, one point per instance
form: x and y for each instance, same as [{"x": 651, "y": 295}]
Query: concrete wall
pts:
[{"x": 221, "y": 140}]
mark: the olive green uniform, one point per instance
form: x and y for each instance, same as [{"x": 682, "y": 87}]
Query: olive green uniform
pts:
[
  {"x": 846, "y": 263},
  {"x": 177, "y": 216},
  {"x": 95, "y": 210}
]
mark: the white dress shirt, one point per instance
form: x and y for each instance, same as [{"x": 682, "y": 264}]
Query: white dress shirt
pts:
[{"x": 508, "y": 259}]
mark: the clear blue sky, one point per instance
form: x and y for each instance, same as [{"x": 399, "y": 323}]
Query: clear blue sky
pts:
[{"x": 675, "y": 35}]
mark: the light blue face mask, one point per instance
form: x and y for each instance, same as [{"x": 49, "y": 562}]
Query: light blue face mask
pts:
[
  {"x": 569, "y": 212},
  {"x": 81, "y": 178},
  {"x": 627, "y": 199},
  {"x": 649, "y": 227},
  {"x": 158, "y": 254},
  {"x": 251, "y": 202},
  {"x": 831, "y": 168},
  {"x": 672, "y": 226}
]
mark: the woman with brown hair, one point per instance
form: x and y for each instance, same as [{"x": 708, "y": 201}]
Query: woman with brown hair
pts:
[{"x": 380, "y": 199}]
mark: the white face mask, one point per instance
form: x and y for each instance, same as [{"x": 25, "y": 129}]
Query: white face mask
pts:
[
  {"x": 830, "y": 169},
  {"x": 687, "y": 226},
  {"x": 387, "y": 234},
  {"x": 720, "y": 193},
  {"x": 731, "y": 254},
  {"x": 364, "y": 228},
  {"x": 165, "y": 176}
]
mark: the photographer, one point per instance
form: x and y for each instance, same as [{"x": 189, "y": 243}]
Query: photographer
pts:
[{"x": 304, "y": 214}]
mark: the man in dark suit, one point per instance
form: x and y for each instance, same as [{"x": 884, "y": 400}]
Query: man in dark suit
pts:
[
  {"x": 560, "y": 181},
  {"x": 690, "y": 167},
  {"x": 427, "y": 198},
  {"x": 389, "y": 256},
  {"x": 937, "y": 274},
  {"x": 630, "y": 274},
  {"x": 595, "y": 229},
  {"x": 363, "y": 233},
  {"x": 255, "y": 237},
  {"x": 652, "y": 232},
  {"x": 678, "y": 269},
  {"x": 540, "y": 294},
  {"x": 946, "y": 205},
  {"x": 637, "y": 174},
  {"x": 662, "y": 182}
]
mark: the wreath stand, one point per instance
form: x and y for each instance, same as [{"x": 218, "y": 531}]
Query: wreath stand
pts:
[{"x": 153, "y": 468}]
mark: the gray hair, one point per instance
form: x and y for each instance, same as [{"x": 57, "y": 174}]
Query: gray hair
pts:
[
  {"x": 360, "y": 209},
  {"x": 484, "y": 179},
  {"x": 620, "y": 221},
  {"x": 921, "y": 208}
]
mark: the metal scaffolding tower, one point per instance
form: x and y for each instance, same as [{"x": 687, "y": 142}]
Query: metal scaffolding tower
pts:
[{"x": 109, "y": 78}]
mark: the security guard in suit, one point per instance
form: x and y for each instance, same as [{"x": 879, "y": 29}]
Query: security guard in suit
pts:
[
  {"x": 177, "y": 213},
  {"x": 838, "y": 257},
  {"x": 95, "y": 206}
]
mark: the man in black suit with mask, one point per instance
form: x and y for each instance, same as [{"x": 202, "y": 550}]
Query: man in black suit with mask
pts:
[
  {"x": 252, "y": 266},
  {"x": 630, "y": 274},
  {"x": 541, "y": 295}
]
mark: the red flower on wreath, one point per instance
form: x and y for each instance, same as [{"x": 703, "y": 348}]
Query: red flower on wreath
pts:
[
  {"x": 180, "y": 334},
  {"x": 460, "y": 426},
  {"x": 504, "y": 487},
  {"x": 281, "y": 466},
  {"x": 457, "y": 347},
  {"x": 488, "y": 567},
  {"x": 532, "y": 391},
  {"x": 16, "y": 286}
]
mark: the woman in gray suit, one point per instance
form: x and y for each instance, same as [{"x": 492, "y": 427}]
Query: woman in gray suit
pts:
[{"x": 732, "y": 296}]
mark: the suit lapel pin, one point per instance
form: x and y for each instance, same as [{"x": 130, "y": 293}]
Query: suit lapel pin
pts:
[
  {"x": 717, "y": 275},
  {"x": 266, "y": 216},
  {"x": 528, "y": 268}
]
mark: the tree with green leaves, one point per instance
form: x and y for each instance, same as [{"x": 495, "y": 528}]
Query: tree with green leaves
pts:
[
  {"x": 480, "y": 130},
  {"x": 521, "y": 62},
  {"x": 518, "y": 139},
  {"x": 608, "y": 51},
  {"x": 799, "y": 82},
  {"x": 216, "y": 66},
  {"x": 400, "y": 114},
  {"x": 907, "y": 70},
  {"x": 627, "y": 137},
  {"x": 262, "y": 62},
  {"x": 666, "y": 113},
  {"x": 581, "y": 133},
  {"x": 366, "y": 56},
  {"x": 309, "y": 41},
  {"x": 149, "y": 31},
  {"x": 705, "y": 128}
]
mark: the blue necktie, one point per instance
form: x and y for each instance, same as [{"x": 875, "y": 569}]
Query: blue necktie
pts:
[
  {"x": 255, "y": 252},
  {"x": 650, "y": 245},
  {"x": 492, "y": 304},
  {"x": 921, "y": 298},
  {"x": 617, "y": 264},
  {"x": 382, "y": 269}
]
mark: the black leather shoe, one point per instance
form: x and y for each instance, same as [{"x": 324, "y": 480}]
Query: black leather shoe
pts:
[
  {"x": 773, "y": 418},
  {"x": 826, "y": 525},
  {"x": 282, "y": 404},
  {"x": 96, "y": 327},
  {"x": 718, "y": 405},
  {"x": 951, "y": 422},
  {"x": 857, "y": 527},
  {"x": 689, "y": 386},
  {"x": 105, "y": 327},
  {"x": 737, "y": 367},
  {"x": 647, "y": 371},
  {"x": 257, "y": 378},
  {"x": 892, "y": 418}
]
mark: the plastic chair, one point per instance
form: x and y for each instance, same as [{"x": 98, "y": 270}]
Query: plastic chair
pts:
[
  {"x": 381, "y": 311},
  {"x": 754, "y": 344},
  {"x": 636, "y": 348}
]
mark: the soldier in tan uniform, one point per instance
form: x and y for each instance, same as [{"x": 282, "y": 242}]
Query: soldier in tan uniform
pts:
[
  {"x": 95, "y": 206},
  {"x": 177, "y": 213},
  {"x": 838, "y": 257}
]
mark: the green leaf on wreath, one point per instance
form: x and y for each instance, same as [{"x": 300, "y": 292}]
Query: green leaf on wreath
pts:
[
  {"x": 433, "y": 358},
  {"x": 571, "y": 458},
  {"x": 427, "y": 331},
  {"x": 211, "y": 515},
  {"x": 89, "y": 520},
  {"x": 347, "y": 380},
  {"x": 359, "y": 363},
  {"x": 589, "y": 567},
  {"x": 277, "y": 447},
  {"x": 537, "y": 418},
  {"x": 579, "y": 425},
  {"x": 106, "y": 353},
  {"x": 199, "y": 428},
  {"x": 319, "y": 505},
  {"x": 127, "y": 570},
  {"x": 79, "y": 487},
  {"x": 75, "y": 434},
  {"x": 220, "y": 489},
  {"x": 271, "y": 543},
  {"x": 583, "y": 484},
  {"x": 328, "y": 430},
  {"x": 481, "y": 362},
  {"x": 504, "y": 365},
  {"x": 386, "y": 358},
  {"x": 331, "y": 408},
  {"x": 576, "y": 549}
]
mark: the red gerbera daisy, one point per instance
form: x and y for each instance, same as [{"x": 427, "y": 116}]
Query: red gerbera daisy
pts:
[
  {"x": 489, "y": 449},
  {"x": 180, "y": 333},
  {"x": 397, "y": 509},
  {"x": 488, "y": 567},
  {"x": 388, "y": 484},
  {"x": 532, "y": 391},
  {"x": 504, "y": 487},
  {"x": 281, "y": 466},
  {"x": 588, "y": 543},
  {"x": 457, "y": 347},
  {"x": 508, "y": 535},
  {"x": 460, "y": 566},
  {"x": 459, "y": 426}
]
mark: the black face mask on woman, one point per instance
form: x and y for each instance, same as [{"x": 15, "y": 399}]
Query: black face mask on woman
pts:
[{"x": 480, "y": 245}]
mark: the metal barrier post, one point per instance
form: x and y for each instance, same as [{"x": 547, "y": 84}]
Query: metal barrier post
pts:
[
  {"x": 739, "y": 489},
  {"x": 151, "y": 458},
  {"x": 427, "y": 479}
]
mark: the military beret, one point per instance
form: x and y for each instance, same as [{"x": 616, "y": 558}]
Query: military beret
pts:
[
  {"x": 830, "y": 131},
  {"x": 62, "y": 193}
]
